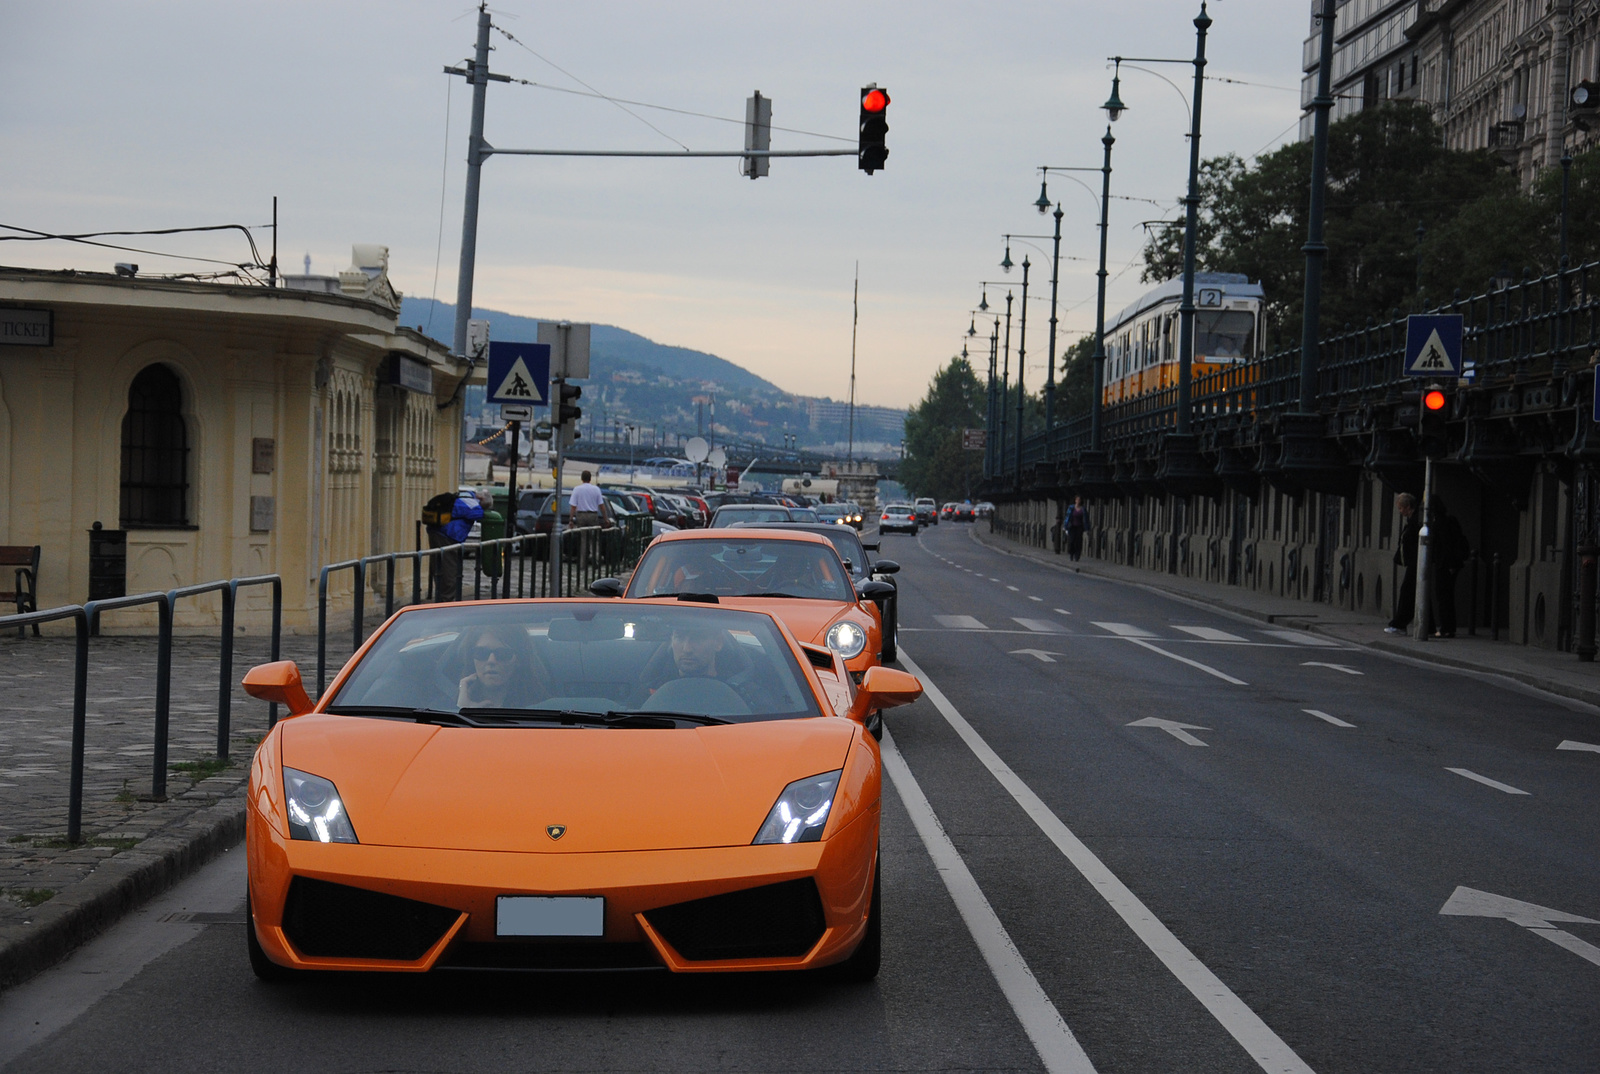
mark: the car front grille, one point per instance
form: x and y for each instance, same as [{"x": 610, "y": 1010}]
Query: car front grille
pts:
[
  {"x": 562, "y": 955},
  {"x": 775, "y": 921},
  {"x": 327, "y": 920}
]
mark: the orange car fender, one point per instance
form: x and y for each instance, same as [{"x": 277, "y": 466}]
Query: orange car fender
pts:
[{"x": 266, "y": 783}]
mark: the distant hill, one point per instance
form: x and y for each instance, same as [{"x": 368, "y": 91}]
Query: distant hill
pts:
[{"x": 609, "y": 347}]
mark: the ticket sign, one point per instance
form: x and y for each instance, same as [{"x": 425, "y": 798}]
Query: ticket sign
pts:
[
  {"x": 519, "y": 373},
  {"x": 1433, "y": 345}
]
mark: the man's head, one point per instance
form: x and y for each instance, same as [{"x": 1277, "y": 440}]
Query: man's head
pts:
[
  {"x": 1077, "y": 501},
  {"x": 586, "y": 476},
  {"x": 1406, "y": 504},
  {"x": 695, "y": 647}
]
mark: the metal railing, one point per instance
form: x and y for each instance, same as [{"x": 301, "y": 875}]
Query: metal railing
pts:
[{"x": 86, "y": 619}]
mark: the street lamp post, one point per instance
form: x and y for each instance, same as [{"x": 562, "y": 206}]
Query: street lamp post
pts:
[
  {"x": 1005, "y": 384},
  {"x": 1043, "y": 205},
  {"x": 1315, "y": 249},
  {"x": 1022, "y": 351},
  {"x": 988, "y": 440}
]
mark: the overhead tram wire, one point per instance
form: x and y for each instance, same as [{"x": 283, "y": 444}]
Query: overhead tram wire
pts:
[{"x": 87, "y": 239}]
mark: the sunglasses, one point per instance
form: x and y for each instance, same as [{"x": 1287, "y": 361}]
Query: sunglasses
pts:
[{"x": 483, "y": 652}]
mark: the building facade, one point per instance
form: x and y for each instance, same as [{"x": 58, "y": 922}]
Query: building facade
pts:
[{"x": 216, "y": 430}]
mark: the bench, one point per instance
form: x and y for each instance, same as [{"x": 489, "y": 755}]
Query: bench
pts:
[{"x": 21, "y": 562}]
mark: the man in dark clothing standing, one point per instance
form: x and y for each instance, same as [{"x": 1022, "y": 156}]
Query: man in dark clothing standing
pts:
[
  {"x": 1405, "y": 599},
  {"x": 1075, "y": 522},
  {"x": 1448, "y": 552}
]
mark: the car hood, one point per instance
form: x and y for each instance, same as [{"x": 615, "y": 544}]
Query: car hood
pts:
[{"x": 423, "y": 785}]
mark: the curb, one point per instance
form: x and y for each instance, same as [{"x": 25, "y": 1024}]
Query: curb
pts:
[
  {"x": 1571, "y": 692},
  {"x": 118, "y": 887}
]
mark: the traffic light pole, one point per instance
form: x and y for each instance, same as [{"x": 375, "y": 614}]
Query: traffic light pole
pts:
[
  {"x": 558, "y": 440},
  {"x": 1424, "y": 561}
]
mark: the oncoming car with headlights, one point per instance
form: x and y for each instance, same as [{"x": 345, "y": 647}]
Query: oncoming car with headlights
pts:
[
  {"x": 796, "y": 576},
  {"x": 484, "y": 784}
]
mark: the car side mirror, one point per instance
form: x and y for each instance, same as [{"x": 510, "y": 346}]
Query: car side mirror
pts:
[
  {"x": 886, "y": 566},
  {"x": 279, "y": 683},
  {"x": 884, "y": 688},
  {"x": 606, "y": 587},
  {"x": 875, "y": 590},
  {"x": 871, "y": 546}
]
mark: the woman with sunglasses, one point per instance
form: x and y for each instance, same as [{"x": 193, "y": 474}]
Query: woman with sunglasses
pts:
[{"x": 505, "y": 672}]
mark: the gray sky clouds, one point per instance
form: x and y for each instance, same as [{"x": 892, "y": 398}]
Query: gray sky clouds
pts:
[{"x": 159, "y": 114}]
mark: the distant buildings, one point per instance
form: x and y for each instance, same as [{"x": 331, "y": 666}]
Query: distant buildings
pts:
[{"x": 880, "y": 424}]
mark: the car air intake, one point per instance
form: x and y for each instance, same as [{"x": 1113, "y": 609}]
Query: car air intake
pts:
[
  {"x": 776, "y": 921},
  {"x": 325, "y": 920}
]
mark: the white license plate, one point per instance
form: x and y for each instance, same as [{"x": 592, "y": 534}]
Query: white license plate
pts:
[{"x": 550, "y": 915}]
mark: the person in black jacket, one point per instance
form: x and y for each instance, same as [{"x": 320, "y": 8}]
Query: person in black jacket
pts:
[
  {"x": 1448, "y": 552},
  {"x": 1405, "y": 602}
]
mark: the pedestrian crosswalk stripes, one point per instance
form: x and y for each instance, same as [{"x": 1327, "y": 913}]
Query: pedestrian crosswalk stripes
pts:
[
  {"x": 959, "y": 622},
  {"x": 1125, "y": 630},
  {"x": 1205, "y": 633},
  {"x": 1040, "y": 626},
  {"x": 1300, "y": 637},
  {"x": 1171, "y": 632}
]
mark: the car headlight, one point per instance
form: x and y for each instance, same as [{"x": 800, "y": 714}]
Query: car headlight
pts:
[
  {"x": 846, "y": 639},
  {"x": 315, "y": 811},
  {"x": 801, "y": 811}
]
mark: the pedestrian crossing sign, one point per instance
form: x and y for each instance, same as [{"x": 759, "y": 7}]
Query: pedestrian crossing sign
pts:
[
  {"x": 1433, "y": 345},
  {"x": 519, "y": 373}
]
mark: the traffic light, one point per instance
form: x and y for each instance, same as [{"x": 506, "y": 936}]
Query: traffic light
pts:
[
  {"x": 1432, "y": 409},
  {"x": 566, "y": 411},
  {"x": 870, "y": 150}
]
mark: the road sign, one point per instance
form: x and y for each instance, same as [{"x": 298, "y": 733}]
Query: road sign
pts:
[
  {"x": 569, "y": 348},
  {"x": 519, "y": 373},
  {"x": 972, "y": 439},
  {"x": 1433, "y": 345},
  {"x": 516, "y": 412}
]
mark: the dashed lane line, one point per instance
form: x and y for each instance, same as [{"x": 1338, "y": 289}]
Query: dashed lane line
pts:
[
  {"x": 1013, "y": 589},
  {"x": 1325, "y": 717},
  {"x": 1242, "y": 1023},
  {"x": 1052, "y": 1038},
  {"x": 1485, "y": 780},
  {"x": 1035, "y": 598},
  {"x": 1062, "y": 611}
]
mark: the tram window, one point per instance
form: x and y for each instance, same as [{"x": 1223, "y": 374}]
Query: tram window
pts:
[{"x": 1224, "y": 333}]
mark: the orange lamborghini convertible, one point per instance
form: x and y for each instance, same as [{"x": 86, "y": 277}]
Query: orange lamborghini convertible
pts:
[
  {"x": 796, "y": 576},
  {"x": 570, "y": 784}
]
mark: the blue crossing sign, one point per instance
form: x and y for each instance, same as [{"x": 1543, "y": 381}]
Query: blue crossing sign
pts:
[
  {"x": 519, "y": 373},
  {"x": 1433, "y": 345}
]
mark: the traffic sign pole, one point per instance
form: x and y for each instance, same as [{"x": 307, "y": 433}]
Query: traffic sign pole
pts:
[
  {"x": 558, "y": 442},
  {"x": 1424, "y": 561},
  {"x": 511, "y": 481}
]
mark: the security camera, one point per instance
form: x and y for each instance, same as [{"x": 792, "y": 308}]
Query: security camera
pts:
[{"x": 126, "y": 269}]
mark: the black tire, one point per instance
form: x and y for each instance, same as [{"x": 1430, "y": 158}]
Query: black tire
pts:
[
  {"x": 891, "y": 630},
  {"x": 863, "y": 965},
  {"x": 265, "y": 969}
]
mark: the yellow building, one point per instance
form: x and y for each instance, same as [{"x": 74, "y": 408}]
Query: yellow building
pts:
[{"x": 224, "y": 429}]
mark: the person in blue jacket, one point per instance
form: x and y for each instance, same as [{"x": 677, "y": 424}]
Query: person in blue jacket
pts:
[{"x": 467, "y": 509}]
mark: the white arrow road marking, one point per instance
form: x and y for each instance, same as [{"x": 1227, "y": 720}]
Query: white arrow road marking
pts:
[
  {"x": 1205, "y": 633},
  {"x": 1243, "y": 1024},
  {"x": 1470, "y": 902},
  {"x": 1324, "y": 716},
  {"x": 1337, "y": 667},
  {"x": 1052, "y": 1038},
  {"x": 1569, "y": 744},
  {"x": 959, "y": 622},
  {"x": 1048, "y": 658},
  {"x": 1485, "y": 780},
  {"x": 1179, "y": 731}
]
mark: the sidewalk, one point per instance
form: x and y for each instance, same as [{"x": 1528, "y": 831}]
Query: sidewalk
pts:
[
  {"x": 54, "y": 896},
  {"x": 1557, "y": 672}
]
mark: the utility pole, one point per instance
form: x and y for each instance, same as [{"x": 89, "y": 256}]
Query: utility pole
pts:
[
  {"x": 1315, "y": 249},
  {"x": 855, "y": 318},
  {"x": 477, "y": 75}
]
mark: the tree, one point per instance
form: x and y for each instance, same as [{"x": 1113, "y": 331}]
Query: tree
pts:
[{"x": 936, "y": 465}]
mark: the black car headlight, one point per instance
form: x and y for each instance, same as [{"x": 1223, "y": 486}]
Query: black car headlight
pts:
[
  {"x": 315, "y": 810},
  {"x": 801, "y": 811},
  {"x": 847, "y": 639}
]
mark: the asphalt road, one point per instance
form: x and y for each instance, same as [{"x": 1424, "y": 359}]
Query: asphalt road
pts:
[{"x": 1259, "y": 888}]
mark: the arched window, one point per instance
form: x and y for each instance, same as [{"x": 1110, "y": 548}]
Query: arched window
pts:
[{"x": 155, "y": 452}]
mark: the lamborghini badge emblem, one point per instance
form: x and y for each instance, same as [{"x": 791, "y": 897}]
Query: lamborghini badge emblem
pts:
[{"x": 555, "y": 831}]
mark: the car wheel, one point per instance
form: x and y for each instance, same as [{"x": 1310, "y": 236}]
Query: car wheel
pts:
[
  {"x": 266, "y": 969},
  {"x": 862, "y": 966},
  {"x": 891, "y": 630}
]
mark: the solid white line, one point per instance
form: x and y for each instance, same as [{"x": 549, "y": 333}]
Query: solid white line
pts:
[
  {"x": 1207, "y": 668},
  {"x": 1324, "y": 716},
  {"x": 1243, "y": 1024},
  {"x": 1058, "y": 1049},
  {"x": 1485, "y": 780}
]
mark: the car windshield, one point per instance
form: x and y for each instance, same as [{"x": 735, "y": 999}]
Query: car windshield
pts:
[
  {"x": 729, "y": 515},
  {"x": 747, "y": 567},
  {"x": 803, "y": 514},
  {"x": 542, "y": 664},
  {"x": 1224, "y": 334}
]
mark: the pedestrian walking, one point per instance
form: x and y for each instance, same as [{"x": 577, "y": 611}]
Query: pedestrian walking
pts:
[
  {"x": 1405, "y": 598},
  {"x": 1075, "y": 522},
  {"x": 1448, "y": 552},
  {"x": 587, "y": 502}
]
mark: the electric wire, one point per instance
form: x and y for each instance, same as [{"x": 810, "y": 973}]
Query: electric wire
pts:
[{"x": 41, "y": 236}]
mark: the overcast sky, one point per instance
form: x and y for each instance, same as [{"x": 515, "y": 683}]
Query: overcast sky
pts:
[{"x": 132, "y": 115}]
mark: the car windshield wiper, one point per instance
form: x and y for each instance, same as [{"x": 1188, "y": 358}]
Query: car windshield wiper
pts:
[
  {"x": 403, "y": 712},
  {"x": 617, "y": 716},
  {"x": 637, "y": 719}
]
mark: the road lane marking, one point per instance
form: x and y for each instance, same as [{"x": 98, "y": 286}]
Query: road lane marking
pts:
[
  {"x": 1013, "y": 589},
  {"x": 1062, "y": 611},
  {"x": 1052, "y": 1038},
  {"x": 1040, "y": 654},
  {"x": 959, "y": 622},
  {"x": 1337, "y": 667},
  {"x": 1485, "y": 780},
  {"x": 1470, "y": 902},
  {"x": 1243, "y": 1024},
  {"x": 992, "y": 578},
  {"x": 1569, "y": 744},
  {"x": 1301, "y": 638},
  {"x": 1040, "y": 626},
  {"x": 1324, "y": 716},
  {"x": 1206, "y": 633},
  {"x": 1179, "y": 731},
  {"x": 1207, "y": 668},
  {"x": 1036, "y": 598},
  {"x": 1123, "y": 630}
]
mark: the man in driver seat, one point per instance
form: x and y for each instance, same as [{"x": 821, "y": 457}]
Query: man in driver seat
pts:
[
  {"x": 695, "y": 649},
  {"x": 703, "y": 651}
]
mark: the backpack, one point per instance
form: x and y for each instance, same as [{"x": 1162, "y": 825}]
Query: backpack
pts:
[{"x": 437, "y": 511}]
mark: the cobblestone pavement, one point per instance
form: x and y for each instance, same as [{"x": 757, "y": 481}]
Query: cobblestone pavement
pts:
[{"x": 118, "y": 812}]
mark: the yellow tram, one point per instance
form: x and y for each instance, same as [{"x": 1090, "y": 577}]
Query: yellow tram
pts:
[{"x": 1142, "y": 342}]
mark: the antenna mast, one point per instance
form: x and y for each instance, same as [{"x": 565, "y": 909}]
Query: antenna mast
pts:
[{"x": 855, "y": 318}]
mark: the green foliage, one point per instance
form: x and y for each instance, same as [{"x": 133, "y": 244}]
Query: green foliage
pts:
[
  {"x": 1388, "y": 174},
  {"x": 936, "y": 465}
]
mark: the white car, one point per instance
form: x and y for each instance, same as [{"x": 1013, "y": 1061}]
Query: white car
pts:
[{"x": 898, "y": 517}]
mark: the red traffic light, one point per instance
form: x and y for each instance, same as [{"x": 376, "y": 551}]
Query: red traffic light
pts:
[
  {"x": 1433, "y": 399},
  {"x": 875, "y": 101}
]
